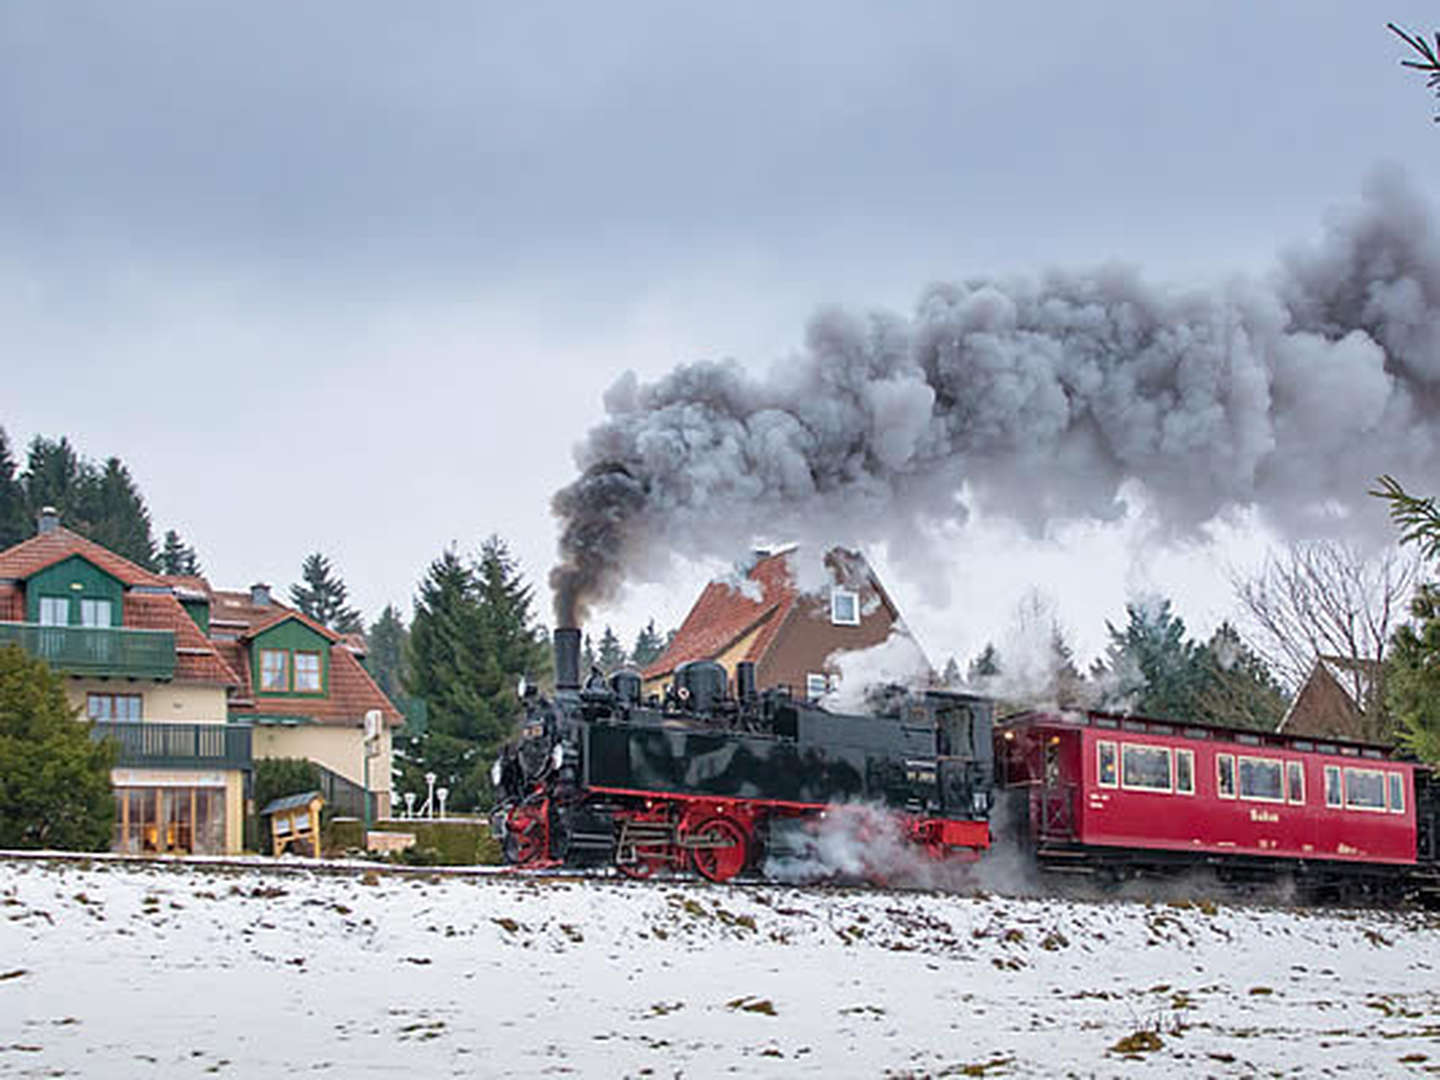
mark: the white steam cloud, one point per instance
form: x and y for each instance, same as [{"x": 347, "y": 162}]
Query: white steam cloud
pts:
[{"x": 1036, "y": 399}]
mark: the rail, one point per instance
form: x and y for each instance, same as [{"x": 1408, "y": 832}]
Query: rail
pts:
[{"x": 96, "y": 650}]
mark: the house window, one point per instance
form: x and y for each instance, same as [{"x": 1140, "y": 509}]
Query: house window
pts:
[
  {"x": 1145, "y": 767},
  {"x": 1332, "y": 786},
  {"x": 307, "y": 673},
  {"x": 1185, "y": 772},
  {"x": 1105, "y": 764},
  {"x": 54, "y": 611},
  {"x": 844, "y": 607},
  {"x": 1364, "y": 789},
  {"x": 273, "y": 664},
  {"x": 1260, "y": 779},
  {"x": 121, "y": 707},
  {"x": 1397, "y": 793},
  {"x": 94, "y": 612},
  {"x": 816, "y": 685},
  {"x": 1295, "y": 781},
  {"x": 1225, "y": 775}
]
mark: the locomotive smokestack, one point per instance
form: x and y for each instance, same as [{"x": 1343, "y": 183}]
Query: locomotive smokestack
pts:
[{"x": 567, "y": 658}]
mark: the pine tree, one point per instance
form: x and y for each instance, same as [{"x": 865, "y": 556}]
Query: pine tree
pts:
[
  {"x": 984, "y": 665},
  {"x": 54, "y": 780},
  {"x": 323, "y": 595},
  {"x": 648, "y": 645},
  {"x": 103, "y": 504},
  {"x": 588, "y": 659},
  {"x": 15, "y": 521},
  {"x": 388, "y": 640},
  {"x": 1236, "y": 687},
  {"x": 1412, "y": 684},
  {"x": 176, "y": 557},
  {"x": 56, "y": 476},
  {"x": 611, "y": 655},
  {"x": 951, "y": 675}
]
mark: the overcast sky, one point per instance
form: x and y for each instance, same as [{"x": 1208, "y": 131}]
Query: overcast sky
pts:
[{"x": 354, "y": 276}]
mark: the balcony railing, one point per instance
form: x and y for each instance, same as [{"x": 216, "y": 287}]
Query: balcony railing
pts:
[
  {"x": 95, "y": 650},
  {"x": 184, "y": 746}
]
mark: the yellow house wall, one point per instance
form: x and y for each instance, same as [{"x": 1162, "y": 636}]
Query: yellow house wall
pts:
[
  {"x": 175, "y": 703},
  {"x": 339, "y": 749},
  {"x": 729, "y": 658}
]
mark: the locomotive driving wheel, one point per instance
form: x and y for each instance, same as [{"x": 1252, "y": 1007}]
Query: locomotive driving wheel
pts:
[{"x": 719, "y": 849}]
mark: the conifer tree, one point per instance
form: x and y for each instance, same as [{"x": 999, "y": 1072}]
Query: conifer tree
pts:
[
  {"x": 950, "y": 676},
  {"x": 15, "y": 521},
  {"x": 984, "y": 665},
  {"x": 610, "y": 655},
  {"x": 388, "y": 640},
  {"x": 323, "y": 596},
  {"x": 648, "y": 645},
  {"x": 116, "y": 517},
  {"x": 176, "y": 557},
  {"x": 56, "y": 476}
]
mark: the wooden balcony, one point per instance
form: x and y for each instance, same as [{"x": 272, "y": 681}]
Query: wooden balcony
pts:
[
  {"x": 90, "y": 650},
  {"x": 178, "y": 746}
]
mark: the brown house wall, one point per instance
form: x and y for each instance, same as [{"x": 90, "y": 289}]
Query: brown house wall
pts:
[{"x": 808, "y": 637}]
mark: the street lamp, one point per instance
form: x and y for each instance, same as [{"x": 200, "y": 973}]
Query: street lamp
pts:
[
  {"x": 430, "y": 794},
  {"x": 440, "y": 794},
  {"x": 371, "y": 747}
]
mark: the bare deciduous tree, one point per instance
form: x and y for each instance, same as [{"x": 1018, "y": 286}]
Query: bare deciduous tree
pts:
[{"x": 1325, "y": 598}]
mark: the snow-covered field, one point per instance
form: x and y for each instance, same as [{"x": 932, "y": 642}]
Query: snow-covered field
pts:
[{"x": 178, "y": 969}]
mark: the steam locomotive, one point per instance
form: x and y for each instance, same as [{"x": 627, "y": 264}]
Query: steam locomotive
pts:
[{"x": 720, "y": 783}]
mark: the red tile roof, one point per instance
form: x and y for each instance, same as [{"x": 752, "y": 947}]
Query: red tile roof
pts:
[
  {"x": 46, "y": 549},
  {"x": 196, "y": 658},
  {"x": 724, "y": 614}
]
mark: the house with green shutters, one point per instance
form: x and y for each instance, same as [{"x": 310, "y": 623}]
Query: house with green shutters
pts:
[{"x": 139, "y": 666}]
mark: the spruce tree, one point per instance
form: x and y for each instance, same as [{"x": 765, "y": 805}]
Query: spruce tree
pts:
[
  {"x": 984, "y": 665},
  {"x": 116, "y": 517},
  {"x": 176, "y": 557},
  {"x": 950, "y": 676},
  {"x": 610, "y": 655},
  {"x": 648, "y": 645},
  {"x": 56, "y": 476},
  {"x": 15, "y": 521},
  {"x": 388, "y": 640},
  {"x": 322, "y": 596}
]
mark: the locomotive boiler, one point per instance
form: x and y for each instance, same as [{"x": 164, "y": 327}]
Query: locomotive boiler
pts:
[{"x": 722, "y": 780}]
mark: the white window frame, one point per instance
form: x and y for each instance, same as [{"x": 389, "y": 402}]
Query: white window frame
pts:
[
  {"x": 1220, "y": 791},
  {"x": 1395, "y": 784},
  {"x": 284, "y": 686},
  {"x": 92, "y": 606},
  {"x": 1189, "y": 756},
  {"x": 1239, "y": 788},
  {"x": 1338, "y": 803},
  {"x": 816, "y": 685},
  {"x": 1169, "y": 787},
  {"x": 319, "y": 672},
  {"x": 838, "y": 594},
  {"x": 1351, "y": 770},
  {"x": 48, "y": 610},
  {"x": 1291, "y": 796},
  {"x": 1100, "y": 747}
]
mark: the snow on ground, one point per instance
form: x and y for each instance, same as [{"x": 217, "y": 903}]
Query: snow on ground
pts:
[{"x": 183, "y": 969}]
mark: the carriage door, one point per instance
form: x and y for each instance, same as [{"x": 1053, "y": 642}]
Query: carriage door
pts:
[{"x": 1056, "y": 815}]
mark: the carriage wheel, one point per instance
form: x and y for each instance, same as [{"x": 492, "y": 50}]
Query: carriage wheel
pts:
[{"x": 721, "y": 849}]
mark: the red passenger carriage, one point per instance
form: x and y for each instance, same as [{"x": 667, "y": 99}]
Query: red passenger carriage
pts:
[{"x": 1125, "y": 795}]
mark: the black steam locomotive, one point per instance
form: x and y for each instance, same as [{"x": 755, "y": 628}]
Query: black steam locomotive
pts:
[{"x": 721, "y": 782}]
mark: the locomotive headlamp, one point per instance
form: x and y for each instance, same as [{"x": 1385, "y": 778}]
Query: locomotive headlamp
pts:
[
  {"x": 495, "y": 772},
  {"x": 557, "y": 756}
]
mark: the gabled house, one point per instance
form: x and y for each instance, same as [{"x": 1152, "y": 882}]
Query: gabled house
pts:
[
  {"x": 793, "y": 633},
  {"x": 305, "y": 692},
  {"x": 140, "y": 667},
  {"x": 1342, "y": 698}
]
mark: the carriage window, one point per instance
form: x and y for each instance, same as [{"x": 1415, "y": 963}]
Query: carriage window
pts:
[
  {"x": 1295, "y": 781},
  {"x": 1364, "y": 789},
  {"x": 1185, "y": 772},
  {"x": 1260, "y": 779},
  {"x": 1397, "y": 793},
  {"x": 1332, "y": 786},
  {"x": 1145, "y": 767},
  {"x": 1225, "y": 775},
  {"x": 1106, "y": 761}
]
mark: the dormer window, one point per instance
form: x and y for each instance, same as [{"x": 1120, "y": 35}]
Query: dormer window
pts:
[
  {"x": 307, "y": 672},
  {"x": 54, "y": 611},
  {"x": 844, "y": 607},
  {"x": 94, "y": 612},
  {"x": 273, "y": 664}
]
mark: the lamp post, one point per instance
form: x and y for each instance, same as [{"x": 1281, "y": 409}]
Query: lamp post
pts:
[
  {"x": 430, "y": 794},
  {"x": 441, "y": 793},
  {"x": 371, "y": 747}
]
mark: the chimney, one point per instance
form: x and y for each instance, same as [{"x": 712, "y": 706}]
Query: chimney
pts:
[
  {"x": 260, "y": 595},
  {"x": 567, "y": 658},
  {"x": 49, "y": 519}
]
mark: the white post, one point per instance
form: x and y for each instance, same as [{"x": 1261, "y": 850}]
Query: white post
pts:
[
  {"x": 440, "y": 794},
  {"x": 430, "y": 794}
]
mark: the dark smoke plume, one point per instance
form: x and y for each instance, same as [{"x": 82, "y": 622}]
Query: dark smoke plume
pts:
[{"x": 1036, "y": 399}]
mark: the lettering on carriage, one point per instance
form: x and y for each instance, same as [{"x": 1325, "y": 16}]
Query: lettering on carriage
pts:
[{"x": 1265, "y": 815}]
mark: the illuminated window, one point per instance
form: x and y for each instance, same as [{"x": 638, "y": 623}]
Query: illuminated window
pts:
[
  {"x": 307, "y": 672},
  {"x": 1295, "y": 781},
  {"x": 1185, "y": 772},
  {"x": 273, "y": 663},
  {"x": 1364, "y": 789},
  {"x": 1106, "y": 764},
  {"x": 1397, "y": 793},
  {"x": 1225, "y": 775},
  {"x": 1260, "y": 779},
  {"x": 844, "y": 607},
  {"x": 1332, "y": 786},
  {"x": 1145, "y": 767}
]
